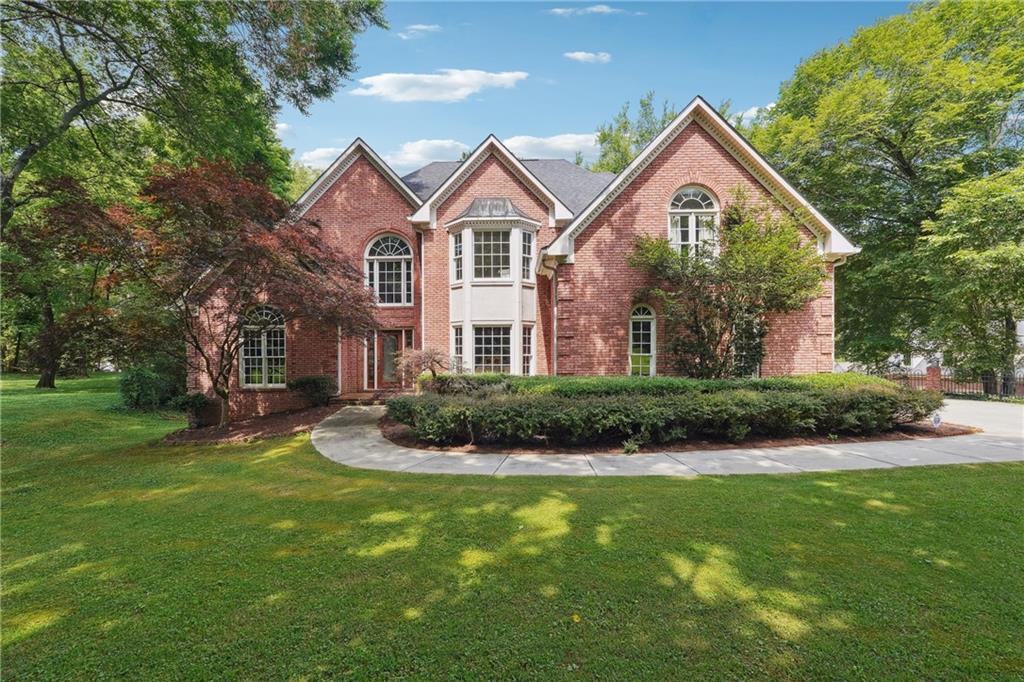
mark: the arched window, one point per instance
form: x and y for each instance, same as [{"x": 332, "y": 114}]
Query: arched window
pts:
[
  {"x": 642, "y": 347},
  {"x": 263, "y": 356},
  {"x": 389, "y": 270},
  {"x": 692, "y": 220}
]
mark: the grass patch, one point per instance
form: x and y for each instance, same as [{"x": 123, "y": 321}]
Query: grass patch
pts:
[{"x": 126, "y": 559}]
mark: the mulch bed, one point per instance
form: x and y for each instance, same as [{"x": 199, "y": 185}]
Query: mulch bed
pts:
[
  {"x": 400, "y": 434},
  {"x": 281, "y": 424}
]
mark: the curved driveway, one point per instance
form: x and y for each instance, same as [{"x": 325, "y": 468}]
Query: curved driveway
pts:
[{"x": 351, "y": 437}]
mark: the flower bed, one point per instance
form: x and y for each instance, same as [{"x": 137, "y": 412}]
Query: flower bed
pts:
[{"x": 633, "y": 411}]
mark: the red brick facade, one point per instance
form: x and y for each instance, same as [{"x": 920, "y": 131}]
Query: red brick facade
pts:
[{"x": 593, "y": 294}]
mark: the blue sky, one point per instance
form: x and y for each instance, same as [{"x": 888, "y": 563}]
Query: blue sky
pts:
[{"x": 543, "y": 75}]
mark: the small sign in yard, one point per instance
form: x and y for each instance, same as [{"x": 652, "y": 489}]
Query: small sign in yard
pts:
[{"x": 936, "y": 419}]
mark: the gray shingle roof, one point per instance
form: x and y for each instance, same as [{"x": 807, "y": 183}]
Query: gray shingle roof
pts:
[{"x": 574, "y": 186}]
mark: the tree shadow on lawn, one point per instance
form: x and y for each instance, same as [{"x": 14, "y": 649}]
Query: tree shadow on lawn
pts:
[{"x": 266, "y": 560}]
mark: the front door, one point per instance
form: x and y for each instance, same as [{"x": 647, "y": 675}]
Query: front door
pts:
[{"x": 390, "y": 343}]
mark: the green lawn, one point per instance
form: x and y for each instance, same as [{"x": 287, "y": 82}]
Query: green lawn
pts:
[{"x": 124, "y": 558}]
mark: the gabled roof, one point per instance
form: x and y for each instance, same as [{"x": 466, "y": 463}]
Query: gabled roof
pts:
[
  {"x": 339, "y": 166},
  {"x": 834, "y": 244},
  {"x": 491, "y": 145},
  {"x": 574, "y": 185}
]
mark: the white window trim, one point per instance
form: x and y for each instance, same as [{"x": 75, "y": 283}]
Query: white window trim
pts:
[
  {"x": 407, "y": 262},
  {"x": 512, "y": 260},
  {"x": 262, "y": 330},
  {"x": 653, "y": 318},
  {"x": 459, "y": 261},
  {"x": 531, "y": 329},
  {"x": 512, "y": 345},
  {"x": 691, "y": 215}
]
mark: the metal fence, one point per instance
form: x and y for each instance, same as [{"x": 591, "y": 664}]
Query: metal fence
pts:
[{"x": 998, "y": 385}]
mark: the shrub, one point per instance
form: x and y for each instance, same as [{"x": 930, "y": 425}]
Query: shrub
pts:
[
  {"x": 145, "y": 389},
  {"x": 730, "y": 414},
  {"x": 573, "y": 386},
  {"x": 194, "y": 405},
  {"x": 318, "y": 390}
]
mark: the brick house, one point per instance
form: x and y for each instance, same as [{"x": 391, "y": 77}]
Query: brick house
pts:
[{"x": 519, "y": 265}]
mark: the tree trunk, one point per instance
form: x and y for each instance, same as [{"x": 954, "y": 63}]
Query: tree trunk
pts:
[
  {"x": 225, "y": 415},
  {"x": 49, "y": 348},
  {"x": 17, "y": 352},
  {"x": 1009, "y": 382}
]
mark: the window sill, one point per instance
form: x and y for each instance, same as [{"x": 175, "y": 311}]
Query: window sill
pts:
[
  {"x": 396, "y": 305},
  {"x": 493, "y": 282},
  {"x": 265, "y": 387}
]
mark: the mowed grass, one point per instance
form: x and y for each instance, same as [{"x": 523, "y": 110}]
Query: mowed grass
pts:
[{"x": 122, "y": 558}]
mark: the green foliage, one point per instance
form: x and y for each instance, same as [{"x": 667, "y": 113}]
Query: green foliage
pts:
[
  {"x": 878, "y": 130},
  {"x": 318, "y": 390},
  {"x": 716, "y": 302},
  {"x": 302, "y": 177},
  {"x": 573, "y": 412},
  {"x": 623, "y": 138},
  {"x": 97, "y": 93},
  {"x": 190, "y": 402},
  {"x": 579, "y": 386},
  {"x": 142, "y": 388},
  {"x": 975, "y": 251}
]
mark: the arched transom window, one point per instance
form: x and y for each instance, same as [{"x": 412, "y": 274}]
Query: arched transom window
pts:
[
  {"x": 389, "y": 270},
  {"x": 692, "y": 220},
  {"x": 642, "y": 347},
  {"x": 263, "y": 352}
]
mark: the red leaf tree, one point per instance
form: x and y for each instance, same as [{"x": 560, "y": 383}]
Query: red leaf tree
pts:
[{"x": 213, "y": 243}]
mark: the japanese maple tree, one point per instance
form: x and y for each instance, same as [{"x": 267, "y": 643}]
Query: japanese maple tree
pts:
[{"x": 212, "y": 243}]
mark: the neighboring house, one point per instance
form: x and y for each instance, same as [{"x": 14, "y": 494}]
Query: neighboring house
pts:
[{"x": 519, "y": 265}]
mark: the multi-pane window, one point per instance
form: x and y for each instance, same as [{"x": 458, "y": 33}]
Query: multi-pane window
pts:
[
  {"x": 492, "y": 349},
  {"x": 527, "y": 256},
  {"x": 457, "y": 349},
  {"x": 492, "y": 256},
  {"x": 263, "y": 351},
  {"x": 389, "y": 270},
  {"x": 457, "y": 257},
  {"x": 692, "y": 217},
  {"x": 641, "y": 342},
  {"x": 527, "y": 350}
]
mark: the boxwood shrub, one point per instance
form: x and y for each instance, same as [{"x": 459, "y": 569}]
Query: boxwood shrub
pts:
[{"x": 584, "y": 410}]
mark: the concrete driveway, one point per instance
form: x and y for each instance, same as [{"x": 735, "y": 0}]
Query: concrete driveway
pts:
[
  {"x": 351, "y": 437},
  {"x": 997, "y": 419}
]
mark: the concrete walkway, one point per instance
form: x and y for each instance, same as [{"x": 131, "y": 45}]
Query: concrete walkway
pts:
[{"x": 351, "y": 437}]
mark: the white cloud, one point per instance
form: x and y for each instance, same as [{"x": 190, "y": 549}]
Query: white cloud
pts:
[
  {"x": 417, "y": 30},
  {"x": 750, "y": 114},
  {"x": 447, "y": 85},
  {"x": 282, "y": 129},
  {"x": 589, "y": 57},
  {"x": 321, "y": 157},
  {"x": 562, "y": 146},
  {"x": 418, "y": 153},
  {"x": 592, "y": 9}
]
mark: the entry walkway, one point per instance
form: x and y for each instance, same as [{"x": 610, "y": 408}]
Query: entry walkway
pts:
[{"x": 351, "y": 437}]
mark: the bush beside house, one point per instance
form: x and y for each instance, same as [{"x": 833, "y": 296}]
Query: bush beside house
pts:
[{"x": 586, "y": 410}]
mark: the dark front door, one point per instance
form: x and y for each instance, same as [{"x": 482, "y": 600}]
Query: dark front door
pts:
[{"x": 389, "y": 344}]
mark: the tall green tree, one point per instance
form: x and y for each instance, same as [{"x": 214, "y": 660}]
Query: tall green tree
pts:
[
  {"x": 302, "y": 177},
  {"x": 623, "y": 137},
  {"x": 96, "y": 93},
  {"x": 717, "y": 301},
  {"x": 975, "y": 251},
  {"x": 878, "y": 130}
]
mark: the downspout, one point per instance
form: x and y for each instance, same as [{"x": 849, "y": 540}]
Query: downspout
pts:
[
  {"x": 338, "y": 329},
  {"x": 423, "y": 297},
  {"x": 554, "y": 321}
]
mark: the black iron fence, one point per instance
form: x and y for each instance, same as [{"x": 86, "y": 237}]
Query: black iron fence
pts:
[{"x": 993, "y": 385}]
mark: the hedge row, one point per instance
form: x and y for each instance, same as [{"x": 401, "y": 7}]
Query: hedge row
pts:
[
  {"x": 575, "y": 386},
  {"x": 732, "y": 414}
]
